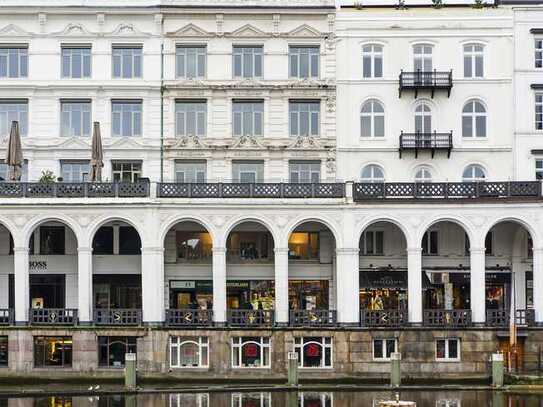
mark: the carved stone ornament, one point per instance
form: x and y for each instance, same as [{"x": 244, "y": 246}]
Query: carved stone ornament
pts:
[
  {"x": 189, "y": 142},
  {"x": 331, "y": 104},
  {"x": 218, "y": 220},
  {"x": 249, "y": 142},
  {"x": 305, "y": 142}
]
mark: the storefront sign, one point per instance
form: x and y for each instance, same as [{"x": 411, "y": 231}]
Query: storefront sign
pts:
[
  {"x": 237, "y": 284},
  {"x": 191, "y": 285},
  {"x": 464, "y": 278},
  {"x": 183, "y": 284},
  {"x": 383, "y": 279}
]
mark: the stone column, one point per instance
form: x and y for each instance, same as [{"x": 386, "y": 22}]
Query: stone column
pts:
[
  {"x": 152, "y": 285},
  {"x": 477, "y": 285},
  {"x": 414, "y": 285},
  {"x": 347, "y": 286},
  {"x": 219, "y": 285},
  {"x": 281, "y": 286},
  {"x": 22, "y": 284},
  {"x": 84, "y": 285},
  {"x": 538, "y": 285}
]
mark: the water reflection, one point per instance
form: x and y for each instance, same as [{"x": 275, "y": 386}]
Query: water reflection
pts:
[{"x": 285, "y": 399}]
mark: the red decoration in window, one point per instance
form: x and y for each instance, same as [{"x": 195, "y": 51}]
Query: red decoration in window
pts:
[
  {"x": 251, "y": 350},
  {"x": 312, "y": 350}
]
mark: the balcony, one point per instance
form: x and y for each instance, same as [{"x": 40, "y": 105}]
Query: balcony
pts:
[
  {"x": 426, "y": 142},
  {"x": 117, "y": 316},
  {"x": 189, "y": 318},
  {"x": 383, "y": 318},
  {"x": 313, "y": 318},
  {"x": 243, "y": 318},
  {"x": 258, "y": 190},
  {"x": 74, "y": 190},
  {"x": 502, "y": 318},
  {"x": 53, "y": 316},
  {"x": 420, "y": 80},
  {"x": 457, "y": 318},
  {"x": 6, "y": 316},
  {"x": 523, "y": 190}
]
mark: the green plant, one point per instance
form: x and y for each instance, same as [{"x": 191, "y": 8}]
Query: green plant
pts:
[
  {"x": 47, "y": 177},
  {"x": 437, "y": 3},
  {"x": 478, "y": 4}
]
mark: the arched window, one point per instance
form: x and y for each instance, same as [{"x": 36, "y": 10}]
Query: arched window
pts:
[
  {"x": 372, "y": 119},
  {"x": 189, "y": 351},
  {"x": 473, "y": 61},
  {"x": 422, "y": 57},
  {"x": 251, "y": 351},
  {"x": 314, "y": 352},
  {"x": 423, "y": 174},
  {"x": 372, "y": 173},
  {"x": 423, "y": 118},
  {"x": 474, "y": 119},
  {"x": 372, "y": 61},
  {"x": 473, "y": 173}
]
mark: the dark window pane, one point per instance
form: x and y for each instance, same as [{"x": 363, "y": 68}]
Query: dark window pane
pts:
[
  {"x": 52, "y": 240},
  {"x": 103, "y": 241},
  {"x": 129, "y": 240}
]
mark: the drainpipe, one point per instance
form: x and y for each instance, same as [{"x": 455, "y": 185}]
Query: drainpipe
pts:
[{"x": 162, "y": 110}]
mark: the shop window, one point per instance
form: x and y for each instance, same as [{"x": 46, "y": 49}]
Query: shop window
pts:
[
  {"x": 193, "y": 246},
  {"x": 313, "y": 352},
  {"x": 448, "y": 349},
  {"x": 308, "y": 295},
  {"x": 489, "y": 247},
  {"x": 4, "y": 351},
  {"x": 50, "y": 351},
  {"x": 250, "y": 295},
  {"x": 384, "y": 348},
  {"x": 191, "y": 294},
  {"x": 52, "y": 401},
  {"x": 250, "y": 352},
  {"x": 189, "y": 399},
  {"x": 47, "y": 290},
  {"x": 112, "y": 349},
  {"x": 117, "y": 291},
  {"x": 52, "y": 240},
  {"x": 126, "y": 171},
  {"x": 303, "y": 246},
  {"x": 103, "y": 241},
  {"x": 314, "y": 399},
  {"x": 372, "y": 243},
  {"x": 129, "y": 240},
  {"x": 251, "y": 400},
  {"x": 430, "y": 243},
  {"x": 189, "y": 352}
]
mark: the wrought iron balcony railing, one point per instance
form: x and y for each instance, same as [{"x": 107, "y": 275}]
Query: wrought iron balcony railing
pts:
[
  {"x": 383, "y": 318},
  {"x": 117, "y": 316},
  {"x": 446, "y": 190},
  {"x": 53, "y": 316},
  {"x": 6, "y": 316},
  {"x": 426, "y": 141},
  {"x": 244, "y": 318},
  {"x": 257, "y": 190},
  {"x": 319, "y": 318},
  {"x": 189, "y": 317},
  {"x": 502, "y": 318},
  {"x": 426, "y": 80},
  {"x": 74, "y": 189},
  {"x": 456, "y": 318}
]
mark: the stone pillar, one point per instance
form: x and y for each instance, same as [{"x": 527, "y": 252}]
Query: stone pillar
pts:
[
  {"x": 538, "y": 285},
  {"x": 152, "y": 284},
  {"x": 281, "y": 286},
  {"x": 84, "y": 285},
  {"x": 414, "y": 285},
  {"x": 219, "y": 285},
  {"x": 477, "y": 284},
  {"x": 22, "y": 284},
  {"x": 347, "y": 286}
]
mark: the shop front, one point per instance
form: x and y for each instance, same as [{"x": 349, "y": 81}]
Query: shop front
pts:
[
  {"x": 117, "y": 291},
  {"x": 191, "y": 294},
  {"x": 250, "y": 294},
  {"x": 383, "y": 290},
  {"x": 46, "y": 290},
  {"x": 308, "y": 294}
]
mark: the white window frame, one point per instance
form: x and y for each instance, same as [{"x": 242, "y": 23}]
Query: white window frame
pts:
[
  {"x": 180, "y": 399},
  {"x": 133, "y": 172},
  {"x": 256, "y": 55},
  {"x": 373, "y": 52},
  {"x": 423, "y": 58},
  {"x": 202, "y": 343},
  {"x": 473, "y": 52},
  {"x": 254, "y": 108},
  {"x": 264, "y": 343},
  {"x": 311, "y": 168},
  {"x": 297, "y": 110},
  {"x": 326, "y": 343},
  {"x": 372, "y": 178},
  {"x": 448, "y": 403},
  {"x": 200, "y": 55},
  {"x": 195, "y": 172},
  {"x": 85, "y": 53},
  {"x": 383, "y": 341},
  {"x": 373, "y": 234},
  {"x": 326, "y": 398},
  {"x": 236, "y": 399},
  {"x": 255, "y": 171},
  {"x": 538, "y": 99},
  {"x": 373, "y": 115},
  {"x": 15, "y": 110},
  {"x": 134, "y": 53},
  {"x": 429, "y": 243},
  {"x": 20, "y": 54},
  {"x": 296, "y": 52},
  {"x": 472, "y": 178},
  {"x": 423, "y": 118},
  {"x": 85, "y": 112},
  {"x": 538, "y": 52},
  {"x": 447, "y": 358},
  {"x": 186, "y": 109},
  {"x": 5, "y": 171},
  {"x": 423, "y": 175},
  {"x": 472, "y": 115},
  {"x": 539, "y": 168},
  {"x": 84, "y": 174},
  {"x": 136, "y": 116}
]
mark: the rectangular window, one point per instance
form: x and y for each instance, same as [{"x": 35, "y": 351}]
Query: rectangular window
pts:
[
  {"x": 111, "y": 350},
  {"x": 190, "y": 61},
  {"x": 538, "y": 53},
  {"x": 76, "y": 62},
  {"x": 190, "y": 171},
  {"x": 251, "y": 352},
  {"x": 430, "y": 243},
  {"x": 247, "y": 61},
  {"x": 372, "y": 61},
  {"x": 127, "y": 61},
  {"x": 75, "y": 118},
  {"x": 304, "y": 62},
  {"x": 384, "y": 348},
  {"x": 13, "y": 62},
  {"x": 303, "y": 246},
  {"x": 304, "y": 118},
  {"x": 13, "y": 110},
  {"x": 314, "y": 352},
  {"x": 539, "y": 169},
  {"x": 4, "y": 354},
  {"x": 74, "y": 171},
  {"x": 373, "y": 243},
  {"x": 473, "y": 61},
  {"x": 52, "y": 240},
  {"x": 189, "y": 352},
  {"x": 5, "y": 171},
  {"x": 126, "y": 171},
  {"x": 251, "y": 399},
  {"x": 248, "y": 171},
  {"x": 305, "y": 171},
  {"x": 51, "y": 351},
  {"x": 539, "y": 111},
  {"x": 126, "y": 118},
  {"x": 448, "y": 349},
  {"x": 190, "y": 118},
  {"x": 247, "y": 118}
]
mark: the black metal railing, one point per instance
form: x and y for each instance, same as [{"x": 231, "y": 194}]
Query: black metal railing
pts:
[
  {"x": 431, "y": 80},
  {"x": 457, "y": 318},
  {"x": 426, "y": 141},
  {"x": 313, "y": 318},
  {"x": 446, "y": 190},
  {"x": 74, "y": 189},
  {"x": 502, "y": 318},
  {"x": 383, "y": 318},
  {"x": 117, "y": 316},
  {"x": 244, "y": 318},
  {"x": 189, "y": 317},
  {"x": 257, "y": 190},
  {"x": 53, "y": 316},
  {"x": 6, "y": 316}
]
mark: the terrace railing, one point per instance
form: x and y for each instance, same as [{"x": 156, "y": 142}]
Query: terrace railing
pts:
[
  {"x": 117, "y": 316},
  {"x": 313, "y": 318},
  {"x": 189, "y": 317},
  {"x": 502, "y": 318},
  {"x": 457, "y": 318},
  {"x": 425, "y": 80},
  {"x": 243, "y": 318},
  {"x": 6, "y": 316},
  {"x": 74, "y": 190},
  {"x": 383, "y": 318},
  {"x": 53, "y": 316}
]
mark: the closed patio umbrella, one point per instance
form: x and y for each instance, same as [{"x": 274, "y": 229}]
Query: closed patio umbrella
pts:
[
  {"x": 14, "y": 157},
  {"x": 97, "y": 155}
]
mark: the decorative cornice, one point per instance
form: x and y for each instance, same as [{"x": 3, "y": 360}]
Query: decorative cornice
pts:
[
  {"x": 247, "y": 142},
  {"x": 189, "y": 142},
  {"x": 12, "y": 30}
]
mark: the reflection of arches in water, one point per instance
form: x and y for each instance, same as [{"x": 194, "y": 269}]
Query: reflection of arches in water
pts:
[
  {"x": 315, "y": 399},
  {"x": 189, "y": 399},
  {"x": 262, "y": 399}
]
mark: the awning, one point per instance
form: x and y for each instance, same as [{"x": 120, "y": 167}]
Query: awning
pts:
[{"x": 388, "y": 279}]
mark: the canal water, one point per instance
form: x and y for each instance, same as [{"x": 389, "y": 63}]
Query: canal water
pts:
[{"x": 284, "y": 399}]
